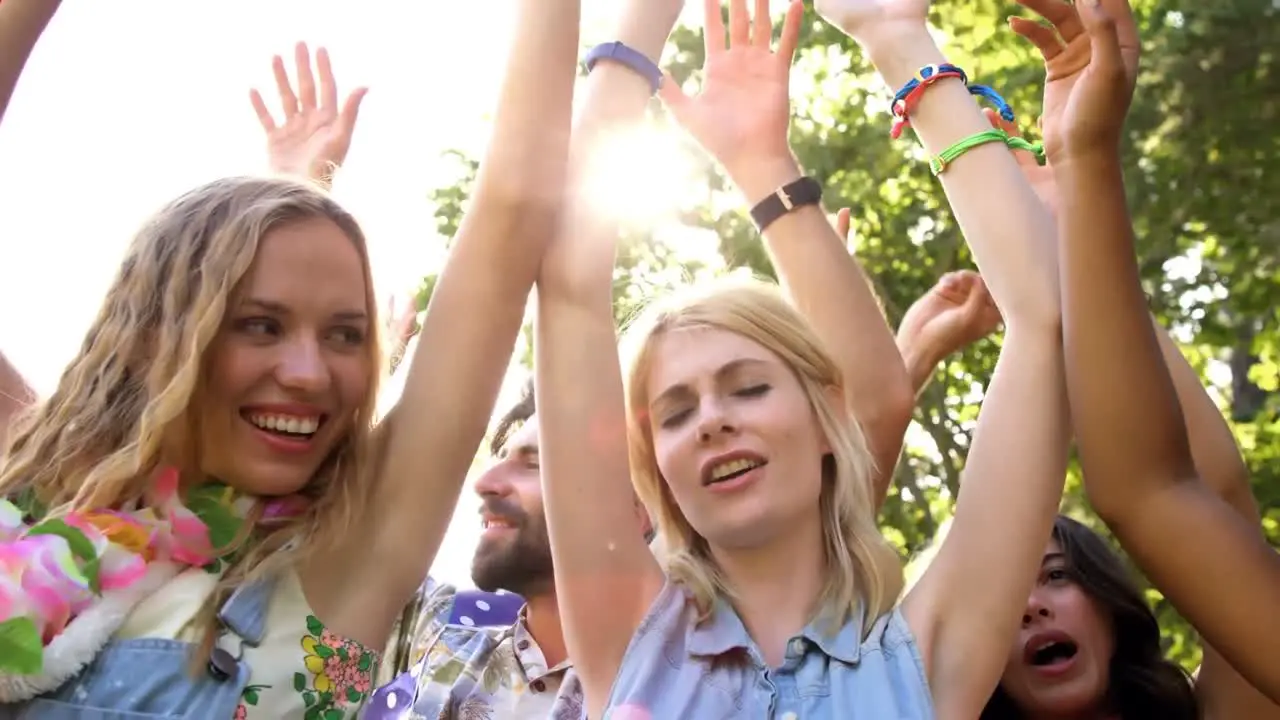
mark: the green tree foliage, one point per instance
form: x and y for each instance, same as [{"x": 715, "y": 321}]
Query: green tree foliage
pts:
[{"x": 1197, "y": 160}]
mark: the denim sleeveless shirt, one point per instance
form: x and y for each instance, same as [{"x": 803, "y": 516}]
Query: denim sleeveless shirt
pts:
[
  {"x": 678, "y": 668},
  {"x": 149, "y": 678}
]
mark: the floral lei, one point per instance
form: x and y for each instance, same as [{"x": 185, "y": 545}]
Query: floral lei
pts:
[{"x": 55, "y": 568}]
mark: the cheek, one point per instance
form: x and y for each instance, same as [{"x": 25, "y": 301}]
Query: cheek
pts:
[
  {"x": 354, "y": 378},
  {"x": 232, "y": 370},
  {"x": 676, "y": 462}
]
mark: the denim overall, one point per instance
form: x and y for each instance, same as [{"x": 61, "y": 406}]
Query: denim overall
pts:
[{"x": 149, "y": 677}]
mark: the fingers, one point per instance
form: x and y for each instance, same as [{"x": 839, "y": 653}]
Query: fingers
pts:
[
  {"x": 1024, "y": 158},
  {"x": 351, "y": 109},
  {"x": 712, "y": 27},
  {"x": 288, "y": 101},
  {"x": 790, "y": 39},
  {"x": 1045, "y": 40},
  {"x": 842, "y": 224},
  {"x": 739, "y": 24},
  {"x": 1062, "y": 14},
  {"x": 762, "y": 26},
  {"x": 328, "y": 88},
  {"x": 1106, "y": 58},
  {"x": 306, "y": 80},
  {"x": 1121, "y": 13},
  {"x": 260, "y": 109}
]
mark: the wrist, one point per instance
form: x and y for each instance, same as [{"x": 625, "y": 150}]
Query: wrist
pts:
[
  {"x": 646, "y": 24},
  {"x": 898, "y": 51},
  {"x": 1095, "y": 160},
  {"x": 758, "y": 177}
]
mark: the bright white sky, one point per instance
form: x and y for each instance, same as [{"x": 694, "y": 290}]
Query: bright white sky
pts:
[{"x": 125, "y": 105}]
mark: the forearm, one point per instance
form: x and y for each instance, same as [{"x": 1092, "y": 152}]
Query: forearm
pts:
[
  {"x": 21, "y": 24},
  {"x": 580, "y": 261},
  {"x": 1127, "y": 419},
  {"x": 524, "y": 162},
  {"x": 920, "y": 363},
  {"x": 831, "y": 290},
  {"x": 1213, "y": 446},
  {"x": 1008, "y": 228}
]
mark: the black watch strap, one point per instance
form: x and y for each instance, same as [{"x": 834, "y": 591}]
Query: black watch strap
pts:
[{"x": 797, "y": 193}]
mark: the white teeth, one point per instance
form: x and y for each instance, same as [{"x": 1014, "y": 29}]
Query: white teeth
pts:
[
  {"x": 486, "y": 524},
  {"x": 733, "y": 466},
  {"x": 286, "y": 423}
]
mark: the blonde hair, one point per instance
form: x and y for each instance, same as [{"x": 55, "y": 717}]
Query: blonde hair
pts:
[
  {"x": 129, "y": 393},
  {"x": 862, "y": 569}
]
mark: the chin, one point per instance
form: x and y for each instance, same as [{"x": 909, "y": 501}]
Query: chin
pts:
[{"x": 270, "y": 482}]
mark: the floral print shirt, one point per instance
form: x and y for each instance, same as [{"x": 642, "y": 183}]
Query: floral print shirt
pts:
[
  {"x": 465, "y": 672},
  {"x": 300, "y": 669}
]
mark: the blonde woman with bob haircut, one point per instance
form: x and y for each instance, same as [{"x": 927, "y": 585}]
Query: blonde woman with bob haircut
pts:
[
  {"x": 198, "y": 522},
  {"x": 775, "y": 595}
]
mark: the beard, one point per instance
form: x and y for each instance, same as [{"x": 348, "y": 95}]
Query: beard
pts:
[{"x": 520, "y": 563}]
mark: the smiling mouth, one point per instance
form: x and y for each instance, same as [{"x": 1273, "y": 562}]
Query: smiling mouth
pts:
[{"x": 287, "y": 426}]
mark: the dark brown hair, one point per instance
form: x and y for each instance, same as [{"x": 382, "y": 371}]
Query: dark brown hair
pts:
[{"x": 1142, "y": 682}]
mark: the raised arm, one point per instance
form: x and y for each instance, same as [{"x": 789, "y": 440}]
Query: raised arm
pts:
[
  {"x": 21, "y": 24},
  {"x": 606, "y": 578},
  {"x": 1141, "y": 472},
  {"x": 428, "y": 441},
  {"x": 741, "y": 117},
  {"x": 956, "y": 312},
  {"x": 965, "y": 610}
]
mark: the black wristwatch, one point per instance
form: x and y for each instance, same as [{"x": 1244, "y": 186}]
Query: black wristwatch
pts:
[{"x": 798, "y": 193}]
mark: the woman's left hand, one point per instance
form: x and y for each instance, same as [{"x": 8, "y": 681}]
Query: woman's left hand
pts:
[
  {"x": 743, "y": 112},
  {"x": 315, "y": 135}
]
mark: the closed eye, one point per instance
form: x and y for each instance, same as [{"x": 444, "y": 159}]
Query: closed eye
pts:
[{"x": 753, "y": 391}]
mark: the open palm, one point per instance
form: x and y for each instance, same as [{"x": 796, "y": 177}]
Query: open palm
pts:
[
  {"x": 744, "y": 105},
  {"x": 315, "y": 134},
  {"x": 1067, "y": 61}
]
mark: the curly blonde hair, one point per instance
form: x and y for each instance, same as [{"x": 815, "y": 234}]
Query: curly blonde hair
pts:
[
  {"x": 863, "y": 571},
  {"x": 129, "y": 393}
]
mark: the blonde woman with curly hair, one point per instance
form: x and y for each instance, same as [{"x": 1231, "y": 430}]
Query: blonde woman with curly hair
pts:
[
  {"x": 775, "y": 594},
  {"x": 199, "y": 522}
]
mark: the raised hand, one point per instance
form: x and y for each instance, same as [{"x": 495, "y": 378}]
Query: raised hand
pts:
[
  {"x": 315, "y": 135},
  {"x": 956, "y": 312},
  {"x": 743, "y": 110},
  {"x": 1090, "y": 71}
]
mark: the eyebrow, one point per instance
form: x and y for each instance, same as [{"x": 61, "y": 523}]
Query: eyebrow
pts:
[
  {"x": 1052, "y": 557},
  {"x": 725, "y": 370},
  {"x": 277, "y": 308},
  {"x": 524, "y": 449}
]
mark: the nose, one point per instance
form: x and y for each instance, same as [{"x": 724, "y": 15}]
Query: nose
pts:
[
  {"x": 1037, "y": 609},
  {"x": 302, "y": 367},
  {"x": 713, "y": 420},
  {"x": 493, "y": 482}
]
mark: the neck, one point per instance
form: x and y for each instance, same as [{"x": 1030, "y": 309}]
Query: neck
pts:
[
  {"x": 776, "y": 585},
  {"x": 542, "y": 617}
]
